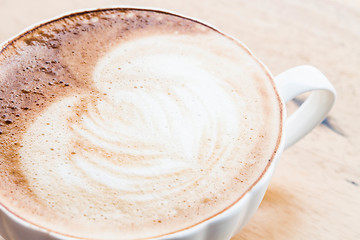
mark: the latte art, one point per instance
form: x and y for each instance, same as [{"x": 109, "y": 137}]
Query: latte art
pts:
[
  {"x": 135, "y": 136},
  {"x": 158, "y": 131}
]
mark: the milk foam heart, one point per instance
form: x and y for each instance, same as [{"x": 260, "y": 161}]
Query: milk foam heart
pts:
[{"x": 158, "y": 130}]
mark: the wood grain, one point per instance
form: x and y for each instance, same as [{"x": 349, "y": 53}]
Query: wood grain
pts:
[{"x": 315, "y": 193}]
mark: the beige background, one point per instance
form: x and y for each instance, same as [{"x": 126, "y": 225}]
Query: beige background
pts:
[{"x": 315, "y": 193}]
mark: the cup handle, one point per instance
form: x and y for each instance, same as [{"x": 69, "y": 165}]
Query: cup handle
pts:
[{"x": 296, "y": 81}]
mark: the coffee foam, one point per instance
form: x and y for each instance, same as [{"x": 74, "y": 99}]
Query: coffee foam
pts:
[{"x": 168, "y": 129}]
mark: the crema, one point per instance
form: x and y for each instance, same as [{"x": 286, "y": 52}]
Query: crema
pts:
[{"x": 131, "y": 123}]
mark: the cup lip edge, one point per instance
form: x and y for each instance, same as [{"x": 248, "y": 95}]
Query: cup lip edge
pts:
[{"x": 277, "y": 150}]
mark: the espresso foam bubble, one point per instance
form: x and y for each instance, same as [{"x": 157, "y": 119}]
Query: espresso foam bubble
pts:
[{"x": 170, "y": 128}]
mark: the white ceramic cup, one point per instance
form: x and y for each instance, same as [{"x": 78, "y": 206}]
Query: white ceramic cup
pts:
[{"x": 223, "y": 226}]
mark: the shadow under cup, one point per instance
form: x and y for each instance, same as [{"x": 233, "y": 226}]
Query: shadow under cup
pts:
[{"x": 124, "y": 123}]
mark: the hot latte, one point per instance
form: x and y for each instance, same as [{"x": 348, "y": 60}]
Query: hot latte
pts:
[{"x": 130, "y": 124}]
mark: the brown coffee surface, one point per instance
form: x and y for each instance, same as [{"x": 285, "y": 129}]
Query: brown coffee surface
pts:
[{"x": 131, "y": 123}]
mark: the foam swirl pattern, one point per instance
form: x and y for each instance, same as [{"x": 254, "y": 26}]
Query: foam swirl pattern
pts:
[{"x": 166, "y": 137}]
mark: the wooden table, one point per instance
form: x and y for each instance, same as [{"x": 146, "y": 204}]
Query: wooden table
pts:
[{"x": 315, "y": 193}]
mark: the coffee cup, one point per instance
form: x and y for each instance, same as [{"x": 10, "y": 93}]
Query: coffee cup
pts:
[{"x": 133, "y": 123}]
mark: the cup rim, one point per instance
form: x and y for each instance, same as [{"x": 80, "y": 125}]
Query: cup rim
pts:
[{"x": 276, "y": 151}]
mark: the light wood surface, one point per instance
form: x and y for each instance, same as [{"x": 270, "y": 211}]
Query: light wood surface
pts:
[{"x": 315, "y": 193}]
